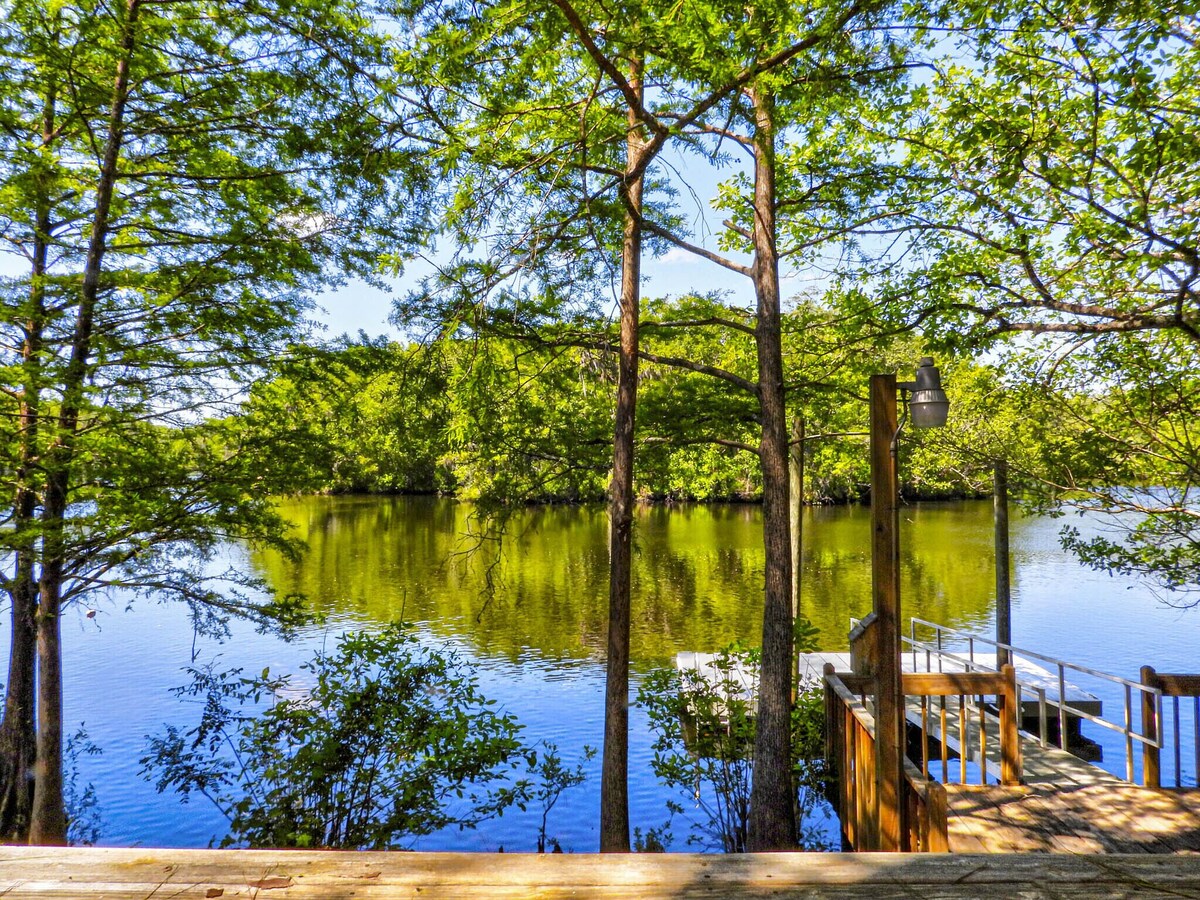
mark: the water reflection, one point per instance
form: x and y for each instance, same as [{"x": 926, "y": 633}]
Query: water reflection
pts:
[
  {"x": 697, "y": 573},
  {"x": 538, "y": 644}
]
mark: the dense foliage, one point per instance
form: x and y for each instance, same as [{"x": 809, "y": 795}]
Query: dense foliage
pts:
[
  {"x": 379, "y": 741},
  {"x": 504, "y": 420}
]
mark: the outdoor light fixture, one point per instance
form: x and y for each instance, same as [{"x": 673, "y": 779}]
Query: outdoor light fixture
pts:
[{"x": 928, "y": 404}]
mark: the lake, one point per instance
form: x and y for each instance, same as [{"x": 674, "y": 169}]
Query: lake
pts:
[{"x": 537, "y": 638}]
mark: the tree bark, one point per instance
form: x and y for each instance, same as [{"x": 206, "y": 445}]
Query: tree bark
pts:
[
  {"x": 614, "y": 776},
  {"x": 772, "y": 818},
  {"x": 48, "y": 823},
  {"x": 18, "y": 737},
  {"x": 18, "y": 748}
]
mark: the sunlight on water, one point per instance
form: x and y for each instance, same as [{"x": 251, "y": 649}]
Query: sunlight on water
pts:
[{"x": 538, "y": 639}]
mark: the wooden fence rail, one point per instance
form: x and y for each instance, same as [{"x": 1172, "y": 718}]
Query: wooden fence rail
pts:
[
  {"x": 1154, "y": 727},
  {"x": 851, "y": 739}
]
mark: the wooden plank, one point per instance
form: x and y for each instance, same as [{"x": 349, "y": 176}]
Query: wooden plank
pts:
[
  {"x": 947, "y": 684},
  {"x": 1064, "y": 835},
  {"x": 1074, "y": 819},
  {"x": 989, "y": 814},
  {"x": 1010, "y": 736},
  {"x": 964, "y": 834},
  {"x": 1177, "y": 685},
  {"x": 939, "y": 819},
  {"x": 1032, "y": 813},
  {"x": 88, "y": 873},
  {"x": 1151, "y": 771}
]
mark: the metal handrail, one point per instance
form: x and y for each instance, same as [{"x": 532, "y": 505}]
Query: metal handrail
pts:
[{"x": 1064, "y": 708}]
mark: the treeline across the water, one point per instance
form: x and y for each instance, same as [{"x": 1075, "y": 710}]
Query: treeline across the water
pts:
[{"x": 490, "y": 418}]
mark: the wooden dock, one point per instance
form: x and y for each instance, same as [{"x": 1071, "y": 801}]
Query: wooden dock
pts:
[
  {"x": 1047, "y": 801},
  {"x": 44, "y": 873}
]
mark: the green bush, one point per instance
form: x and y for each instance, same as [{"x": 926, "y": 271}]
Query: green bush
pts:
[{"x": 380, "y": 741}]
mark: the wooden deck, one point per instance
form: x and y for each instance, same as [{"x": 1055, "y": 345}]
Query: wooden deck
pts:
[
  {"x": 1063, "y": 805},
  {"x": 1048, "y": 801},
  {"x": 45, "y": 873},
  {"x": 1061, "y": 818}
]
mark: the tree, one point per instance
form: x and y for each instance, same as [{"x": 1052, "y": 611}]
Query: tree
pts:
[
  {"x": 359, "y": 416},
  {"x": 177, "y": 178},
  {"x": 1049, "y": 192},
  {"x": 796, "y": 74},
  {"x": 387, "y": 741},
  {"x": 541, "y": 124}
]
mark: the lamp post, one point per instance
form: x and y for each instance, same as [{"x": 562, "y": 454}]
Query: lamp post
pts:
[{"x": 926, "y": 403}]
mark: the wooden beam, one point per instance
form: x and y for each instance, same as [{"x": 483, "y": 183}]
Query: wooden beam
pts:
[
  {"x": 136, "y": 874},
  {"x": 1151, "y": 773},
  {"x": 949, "y": 684},
  {"x": 885, "y": 590},
  {"x": 1177, "y": 685},
  {"x": 1010, "y": 725}
]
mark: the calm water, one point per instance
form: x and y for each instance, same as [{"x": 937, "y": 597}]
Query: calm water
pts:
[{"x": 537, "y": 640}]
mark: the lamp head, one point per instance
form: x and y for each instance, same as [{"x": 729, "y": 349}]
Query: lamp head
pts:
[{"x": 928, "y": 404}]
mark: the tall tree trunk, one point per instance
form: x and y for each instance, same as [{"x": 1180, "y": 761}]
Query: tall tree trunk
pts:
[
  {"x": 614, "y": 776},
  {"x": 48, "y": 824},
  {"x": 49, "y": 821},
  {"x": 18, "y": 748},
  {"x": 772, "y": 817}
]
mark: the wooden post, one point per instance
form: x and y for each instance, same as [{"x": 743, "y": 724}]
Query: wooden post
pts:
[
  {"x": 939, "y": 819},
  {"x": 885, "y": 590},
  {"x": 1003, "y": 566},
  {"x": 1151, "y": 775},
  {"x": 796, "y": 517},
  {"x": 1010, "y": 718}
]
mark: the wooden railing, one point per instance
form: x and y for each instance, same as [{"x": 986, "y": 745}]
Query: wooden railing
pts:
[
  {"x": 851, "y": 749},
  {"x": 925, "y": 821},
  {"x": 1154, "y": 724},
  {"x": 1060, "y": 706}
]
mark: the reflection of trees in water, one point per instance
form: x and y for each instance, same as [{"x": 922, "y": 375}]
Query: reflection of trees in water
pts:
[{"x": 697, "y": 577}]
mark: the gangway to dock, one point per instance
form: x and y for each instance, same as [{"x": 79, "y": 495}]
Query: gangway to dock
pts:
[{"x": 1031, "y": 796}]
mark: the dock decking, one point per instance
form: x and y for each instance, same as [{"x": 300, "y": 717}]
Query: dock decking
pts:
[
  {"x": 46, "y": 873},
  {"x": 1047, "y": 800},
  {"x": 1059, "y": 818}
]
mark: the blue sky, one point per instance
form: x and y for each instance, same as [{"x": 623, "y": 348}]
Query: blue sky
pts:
[{"x": 358, "y": 306}]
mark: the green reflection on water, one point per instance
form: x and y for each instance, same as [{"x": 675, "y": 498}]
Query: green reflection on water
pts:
[{"x": 697, "y": 576}]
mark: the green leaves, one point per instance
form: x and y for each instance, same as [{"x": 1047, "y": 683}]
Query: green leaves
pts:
[
  {"x": 703, "y": 721},
  {"x": 379, "y": 741}
]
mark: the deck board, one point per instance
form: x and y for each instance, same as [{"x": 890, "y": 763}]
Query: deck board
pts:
[
  {"x": 143, "y": 874},
  {"x": 1098, "y": 818}
]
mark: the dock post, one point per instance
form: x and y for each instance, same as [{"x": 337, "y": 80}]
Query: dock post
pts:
[
  {"x": 885, "y": 589},
  {"x": 1151, "y": 775},
  {"x": 1010, "y": 723},
  {"x": 1003, "y": 566}
]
